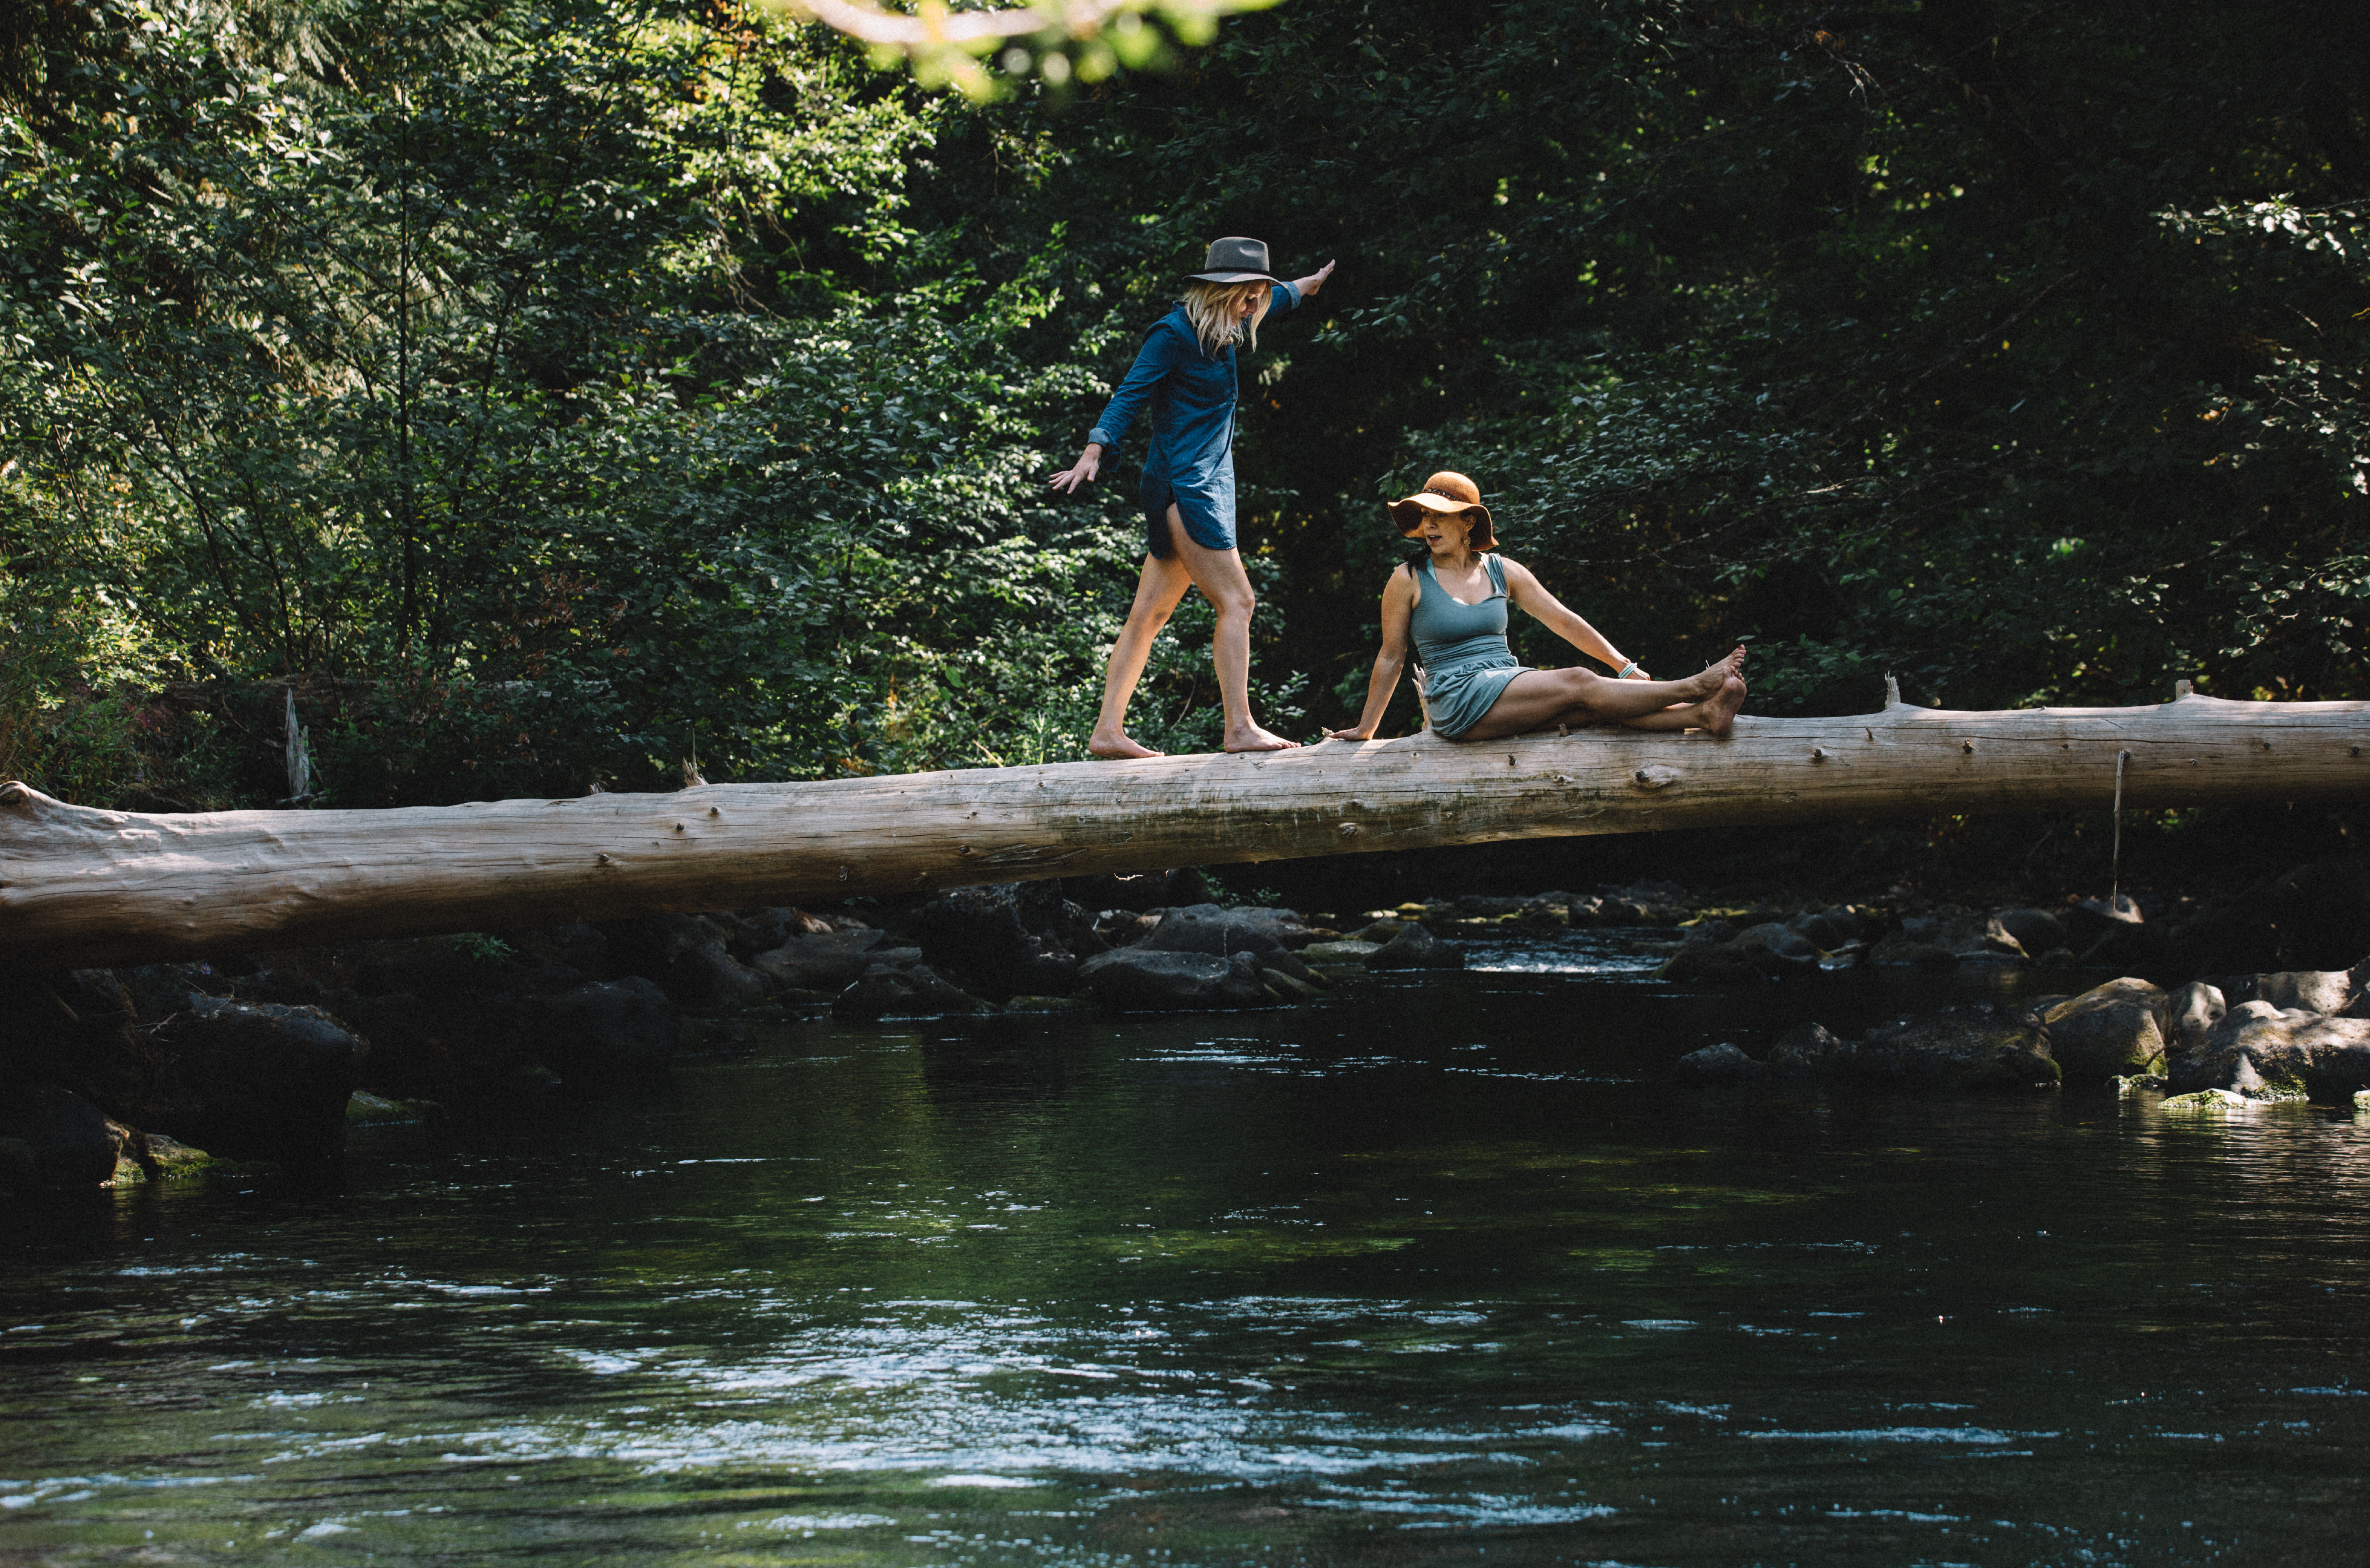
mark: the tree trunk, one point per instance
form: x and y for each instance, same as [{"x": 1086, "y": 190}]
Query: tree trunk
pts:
[{"x": 82, "y": 887}]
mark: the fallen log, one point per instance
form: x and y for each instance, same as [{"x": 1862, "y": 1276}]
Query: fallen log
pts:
[{"x": 79, "y": 886}]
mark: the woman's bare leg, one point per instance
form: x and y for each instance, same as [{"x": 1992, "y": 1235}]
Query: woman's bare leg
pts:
[
  {"x": 1157, "y": 591},
  {"x": 1716, "y": 713},
  {"x": 1536, "y": 698},
  {"x": 1220, "y": 576}
]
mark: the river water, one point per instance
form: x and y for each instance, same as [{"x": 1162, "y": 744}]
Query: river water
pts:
[{"x": 1442, "y": 1268}]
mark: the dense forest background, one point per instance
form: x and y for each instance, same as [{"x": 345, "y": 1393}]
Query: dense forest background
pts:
[{"x": 546, "y": 392}]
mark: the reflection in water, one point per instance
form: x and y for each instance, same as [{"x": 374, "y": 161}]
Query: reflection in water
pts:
[{"x": 1439, "y": 1268}]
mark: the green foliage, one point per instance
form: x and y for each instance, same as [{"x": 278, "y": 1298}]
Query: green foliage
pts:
[
  {"x": 2017, "y": 351},
  {"x": 552, "y": 397},
  {"x": 549, "y": 391}
]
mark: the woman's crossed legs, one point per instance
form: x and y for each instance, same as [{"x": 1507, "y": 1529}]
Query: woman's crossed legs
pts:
[{"x": 1536, "y": 698}]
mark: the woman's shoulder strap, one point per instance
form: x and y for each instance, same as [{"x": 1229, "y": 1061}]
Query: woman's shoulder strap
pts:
[{"x": 1497, "y": 565}]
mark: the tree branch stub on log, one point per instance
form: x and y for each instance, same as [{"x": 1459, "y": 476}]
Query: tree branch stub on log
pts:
[{"x": 80, "y": 886}]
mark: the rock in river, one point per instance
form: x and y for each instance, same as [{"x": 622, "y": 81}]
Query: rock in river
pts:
[
  {"x": 263, "y": 1082},
  {"x": 68, "y": 1142},
  {"x": 829, "y": 961},
  {"x": 1964, "y": 1050},
  {"x": 1979, "y": 1047},
  {"x": 2111, "y": 1031},
  {"x": 1415, "y": 948},
  {"x": 1143, "y": 979},
  {"x": 2263, "y": 1052}
]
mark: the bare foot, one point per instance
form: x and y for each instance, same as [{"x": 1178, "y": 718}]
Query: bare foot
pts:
[
  {"x": 1718, "y": 711},
  {"x": 1116, "y": 746},
  {"x": 1251, "y": 738},
  {"x": 1704, "y": 685}
]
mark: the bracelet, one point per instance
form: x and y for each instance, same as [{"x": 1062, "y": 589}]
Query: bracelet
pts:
[{"x": 1624, "y": 674}]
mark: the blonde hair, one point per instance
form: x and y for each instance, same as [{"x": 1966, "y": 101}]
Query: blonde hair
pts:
[{"x": 1210, "y": 308}]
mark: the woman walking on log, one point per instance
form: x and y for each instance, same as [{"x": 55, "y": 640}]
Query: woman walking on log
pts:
[
  {"x": 1186, "y": 372},
  {"x": 1452, "y": 601}
]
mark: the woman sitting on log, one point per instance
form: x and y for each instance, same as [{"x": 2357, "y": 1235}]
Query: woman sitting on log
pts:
[
  {"x": 1451, "y": 600},
  {"x": 1185, "y": 375}
]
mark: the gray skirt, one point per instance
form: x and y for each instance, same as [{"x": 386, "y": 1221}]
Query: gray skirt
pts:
[{"x": 1458, "y": 697}]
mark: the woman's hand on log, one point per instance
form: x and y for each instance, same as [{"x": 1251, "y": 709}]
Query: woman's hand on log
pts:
[
  {"x": 1357, "y": 735},
  {"x": 1083, "y": 471}
]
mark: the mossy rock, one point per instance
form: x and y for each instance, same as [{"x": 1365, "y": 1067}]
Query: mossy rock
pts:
[
  {"x": 367, "y": 1110},
  {"x": 2206, "y": 1101},
  {"x": 1349, "y": 949}
]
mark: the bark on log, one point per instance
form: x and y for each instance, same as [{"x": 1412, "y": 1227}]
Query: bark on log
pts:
[{"x": 79, "y": 886}]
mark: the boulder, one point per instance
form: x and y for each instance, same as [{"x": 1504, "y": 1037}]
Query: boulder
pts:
[
  {"x": 2204, "y": 1100},
  {"x": 2190, "y": 1016},
  {"x": 260, "y": 1080},
  {"x": 2309, "y": 990},
  {"x": 1978, "y": 939},
  {"x": 2108, "y": 1031},
  {"x": 1007, "y": 939},
  {"x": 1138, "y": 979},
  {"x": 71, "y": 1143},
  {"x": 1973, "y": 1048},
  {"x": 1217, "y": 932},
  {"x": 159, "y": 1158},
  {"x": 1547, "y": 909},
  {"x": 1717, "y": 1064},
  {"x": 825, "y": 960},
  {"x": 160, "y": 990},
  {"x": 1763, "y": 952},
  {"x": 1126, "y": 927},
  {"x": 1346, "y": 951},
  {"x": 2037, "y": 932},
  {"x": 1283, "y": 926},
  {"x": 688, "y": 957},
  {"x": 1644, "y": 904},
  {"x": 2263, "y": 1052},
  {"x": 608, "y": 1038},
  {"x": 1415, "y": 948},
  {"x": 904, "y": 989},
  {"x": 2086, "y": 920},
  {"x": 1808, "y": 1050},
  {"x": 754, "y": 931},
  {"x": 1837, "y": 929},
  {"x": 1944, "y": 939}
]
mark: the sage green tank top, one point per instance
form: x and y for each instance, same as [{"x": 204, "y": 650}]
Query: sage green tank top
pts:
[{"x": 1449, "y": 634}]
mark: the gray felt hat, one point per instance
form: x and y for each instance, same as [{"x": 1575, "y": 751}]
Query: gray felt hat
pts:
[{"x": 1235, "y": 260}]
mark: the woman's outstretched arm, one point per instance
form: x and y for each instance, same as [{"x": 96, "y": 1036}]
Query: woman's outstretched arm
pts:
[
  {"x": 1528, "y": 594},
  {"x": 1399, "y": 607}
]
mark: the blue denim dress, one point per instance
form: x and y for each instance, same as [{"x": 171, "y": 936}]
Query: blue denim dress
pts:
[{"x": 1191, "y": 396}]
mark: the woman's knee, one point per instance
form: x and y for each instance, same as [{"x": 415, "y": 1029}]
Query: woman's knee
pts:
[{"x": 1233, "y": 603}]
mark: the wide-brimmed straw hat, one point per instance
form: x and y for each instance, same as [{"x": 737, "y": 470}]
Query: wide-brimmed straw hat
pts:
[
  {"x": 1235, "y": 260},
  {"x": 1446, "y": 491}
]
